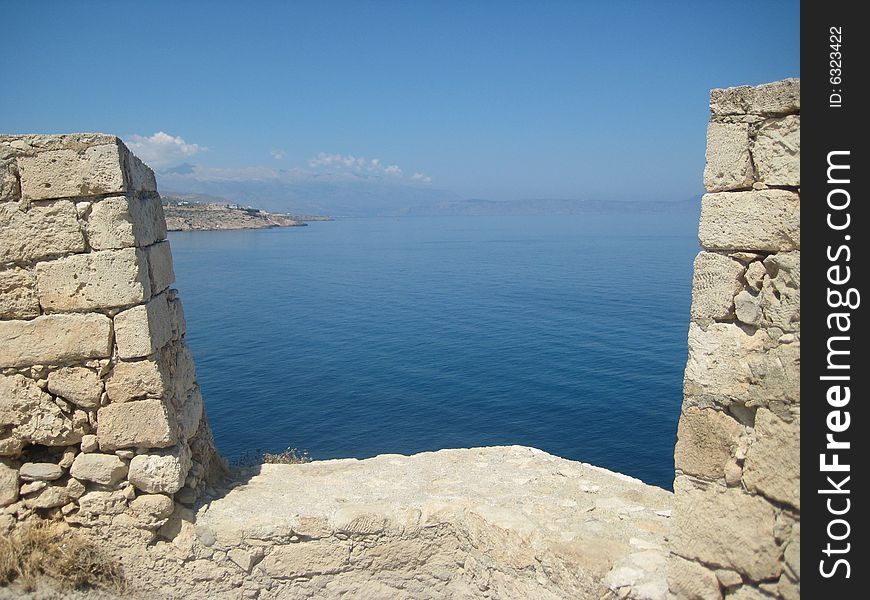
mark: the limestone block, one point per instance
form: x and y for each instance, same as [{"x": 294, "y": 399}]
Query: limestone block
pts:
[
  {"x": 125, "y": 221},
  {"x": 762, "y": 220},
  {"x": 107, "y": 279},
  {"x": 772, "y": 465},
  {"x": 792, "y": 552},
  {"x": 747, "y": 308},
  {"x": 780, "y": 296},
  {"x": 8, "y": 484},
  {"x": 777, "y": 152},
  {"x": 754, "y": 275},
  {"x": 727, "y": 365},
  {"x": 99, "y": 503},
  {"x": 70, "y": 166},
  {"x": 106, "y": 469},
  {"x": 29, "y": 416},
  {"x": 55, "y": 340},
  {"x": 153, "y": 506},
  {"x": 777, "y": 98},
  {"x": 54, "y": 495},
  {"x": 78, "y": 385},
  {"x": 748, "y": 592},
  {"x": 725, "y": 527},
  {"x": 190, "y": 414},
  {"x": 715, "y": 281},
  {"x": 18, "y": 294},
  {"x": 688, "y": 580},
  {"x": 89, "y": 443},
  {"x": 706, "y": 439},
  {"x": 144, "y": 329},
  {"x": 161, "y": 472},
  {"x": 179, "y": 324},
  {"x": 183, "y": 369},
  {"x": 39, "y": 232},
  {"x": 137, "y": 380},
  {"x": 160, "y": 267},
  {"x": 40, "y": 471},
  {"x": 301, "y": 560},
  {"x": 729, "y": 165},
  {"x": 10, "y": 191},
  {"x": 139, "y": 424}
]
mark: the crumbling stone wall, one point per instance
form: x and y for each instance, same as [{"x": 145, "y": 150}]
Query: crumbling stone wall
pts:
[
  {"x": 736, "y": 517},
  {"x": 101, "y": 418}
]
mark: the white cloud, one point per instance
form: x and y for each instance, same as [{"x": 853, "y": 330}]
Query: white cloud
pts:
[
  {"x": 162, "y": 149},
  {"x": 348, "y": 163},
  {"x": 277, "y": 154}
]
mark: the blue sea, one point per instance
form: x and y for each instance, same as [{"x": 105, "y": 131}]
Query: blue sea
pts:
[{"x": 357, "y": 337}]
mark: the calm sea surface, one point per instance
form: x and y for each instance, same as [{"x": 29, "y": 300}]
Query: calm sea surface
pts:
[{"x": 358, "y": 337}]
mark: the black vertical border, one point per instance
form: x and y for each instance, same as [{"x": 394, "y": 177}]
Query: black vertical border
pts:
[{"x": 826, "y": 128}]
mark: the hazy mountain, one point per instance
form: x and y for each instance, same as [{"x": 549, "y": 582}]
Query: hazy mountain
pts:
[{"x": 342, "y": 195}]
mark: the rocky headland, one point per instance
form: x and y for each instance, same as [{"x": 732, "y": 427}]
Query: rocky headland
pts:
[{"x": 186, "y": 215}]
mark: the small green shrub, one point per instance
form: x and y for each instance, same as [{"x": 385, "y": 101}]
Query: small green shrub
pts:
[{"x": 290, "y": 456}]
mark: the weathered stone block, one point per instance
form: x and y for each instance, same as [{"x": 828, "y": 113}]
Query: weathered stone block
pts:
[
  {"x": 688, "y": 580},
  {"x": 142, "y": 330},
  {"x": 762, "y": 220},
  {"x": 80, "y": 165},
  {"x": 125, "y": 221},
  {"x": 292, "y": 560},
  {"x": 160, "y": 267},
  {"x": 8, "y": 484},
  {"x": 184, "y": 370},
  {"x": 777, "y": 98},
  {"x": 78, "y": 385},
  {"x": 161, "y": 472},
  {"x": 190, "y": 413},
  {"x": 137, "y": 380},
  {"x": 106, "y": 469},
  {"x": 18, "y": 294},
  {"x": 54, "y": 495},
  {"x": 729, "y": 164},
  {"x": 40, "y": 471},
  {"x": 725, "y": 527},
  {"x": 39, "y": 232},
  {"x": 754, "y": 275},
  {"x": 780, "y": 297},
  {"x": 715, "y": 282},
  {"x": 29, "y": 416},
  {"x": 10, "y": 191},
  {"x": 773, "y": 466},
  {"x": 706, "y": 439},
  {"x": 777, "y": 152},
  {"x": 139, "y": 424},
  {"x": 153, "y": 506},
  {"x": 55, "y": 340},
  {"x": 107, "y": 279},
  {"x": 179, "y": 324},
  {"x": 747, "y": 308},
  {"x": 727, "y": 366}
]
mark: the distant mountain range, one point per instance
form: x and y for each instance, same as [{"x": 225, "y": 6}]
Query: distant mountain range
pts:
[{"x": 373, "y": 197}]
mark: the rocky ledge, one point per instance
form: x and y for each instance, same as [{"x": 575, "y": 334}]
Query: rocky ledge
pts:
[
  {"x": 207, "y": 217},
  {"x": 500, "y": 522}
]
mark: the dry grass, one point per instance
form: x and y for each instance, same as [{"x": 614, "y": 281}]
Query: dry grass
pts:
[{"x": 53, "y": 550}]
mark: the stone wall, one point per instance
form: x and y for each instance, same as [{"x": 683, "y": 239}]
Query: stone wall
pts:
[
  {"x": 736, "y": 517},
  {"x": 101, "y": 418}
]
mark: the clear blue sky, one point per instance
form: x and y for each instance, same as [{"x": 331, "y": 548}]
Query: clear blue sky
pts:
[{"x": 498, "y": 100}]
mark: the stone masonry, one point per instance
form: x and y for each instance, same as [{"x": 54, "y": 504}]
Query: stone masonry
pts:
[
  {"x": 736, "y": 518},
  {"x": 102, "y": 422},
  {"x": 101, "y": 418}
]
